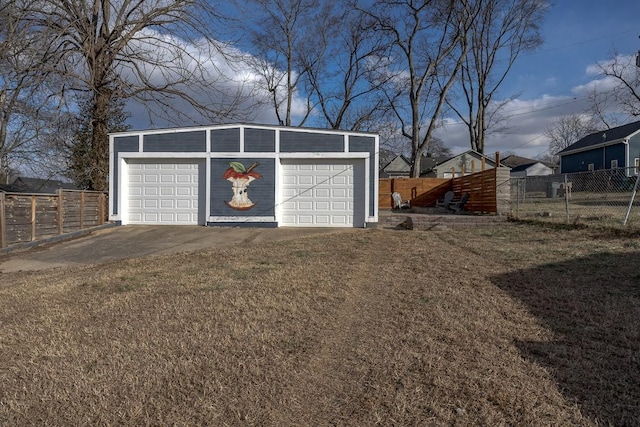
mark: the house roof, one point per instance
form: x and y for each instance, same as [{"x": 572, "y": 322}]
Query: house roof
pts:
[
  {"x": 237, "y": 125},
  {"x": 473, "y": 153},
  {"x": 401, "y": 164},
  {"x": 526, "y": 166},
  {"x": 398, "y": 164},
  {"x": 604, "y": 137},
  {"x": 514, "y": 161}
]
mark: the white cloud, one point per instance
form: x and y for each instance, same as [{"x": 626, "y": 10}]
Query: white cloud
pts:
[
  {"x": 527, "y": 120},
  {"x": 227, "y": 76}
]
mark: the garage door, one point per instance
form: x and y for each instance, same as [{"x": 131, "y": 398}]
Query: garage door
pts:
[
  {"x": 322, "y": 193},
  {"x": 164, "y": 192}
]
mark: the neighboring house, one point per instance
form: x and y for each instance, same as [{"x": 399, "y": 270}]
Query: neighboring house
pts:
[
  {"x": 244, "y": 175},
  {"x": 36, "y": 185},
  {"x": 614, "y": 148},
  {"x": 469, "y": 162},
  {"x": 523, "y": 167},
  {"x": 399, "y": 166},
  {"x": 429, "y": 164},
  {"x": 531, "y": 169},
  {"x": 385, "y": 156}
]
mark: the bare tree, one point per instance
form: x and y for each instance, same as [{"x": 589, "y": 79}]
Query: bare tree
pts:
[
  {"x": 285, "y": 48},
  {"x": 502, "y": 30},
  {"x": 567, "y": 130},
  {"x": 27, "y": 105},
  {"x": 620, "y": 93},
  {"x": 156, "y": 52},
  {"x": 341, "y": 72},
  {"x": 430, "y": 43},
  {"x": 438, "y": 149}
]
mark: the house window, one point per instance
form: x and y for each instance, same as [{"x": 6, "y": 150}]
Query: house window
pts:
[
  {"x": 591, "y": 167},
  {"x": 614, "y": 164},
  {"x": 637, "y": 163}
]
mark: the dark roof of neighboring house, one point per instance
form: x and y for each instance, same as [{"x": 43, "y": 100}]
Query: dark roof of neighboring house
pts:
[
  {"x": 604, "y": 136},
  {"x": 471, "y": 153},
  {"x": 514, "y": 161},
  {"x": 36, "y": 185},
  {"x": 523, "y": 167}
]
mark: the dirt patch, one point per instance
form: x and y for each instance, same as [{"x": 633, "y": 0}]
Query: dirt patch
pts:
[{"x": 521, "y": 325}]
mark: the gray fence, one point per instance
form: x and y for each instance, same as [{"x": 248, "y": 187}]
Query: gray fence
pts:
[{"x": 604, "y": 198}]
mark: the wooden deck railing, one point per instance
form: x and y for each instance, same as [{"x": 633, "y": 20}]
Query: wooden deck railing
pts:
[{"x": 28, "y": 217}]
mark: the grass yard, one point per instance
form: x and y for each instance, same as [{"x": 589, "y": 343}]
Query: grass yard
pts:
[{"x": 522, "y": 325}]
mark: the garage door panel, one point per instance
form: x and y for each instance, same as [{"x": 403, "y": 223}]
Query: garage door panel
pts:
[
  {"x": 304, "y": 219},
  {"x": 150, "y": 204},
  {"x": 164, "y": 191},
  {"x": 150, "y": 217},
  {"x": 322, "y": 192},
  {"x": 323, "y": 220},
  {"x": 185, "y": 191},
  {"x": 318, "y": 193}
]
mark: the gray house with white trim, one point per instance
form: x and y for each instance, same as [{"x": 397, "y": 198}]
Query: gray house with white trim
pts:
[
  {"x": 613, "y": 148},
  {"x": 244, "y": 175}
]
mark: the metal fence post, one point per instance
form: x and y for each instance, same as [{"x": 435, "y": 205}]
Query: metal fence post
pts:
[
  {"x": 518, "y": 192},
  {"x": 633, "y": 196},
  {"x": 566, "y": 197}
]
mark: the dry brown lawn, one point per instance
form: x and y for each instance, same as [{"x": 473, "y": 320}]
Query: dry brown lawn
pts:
[{"x": 522, "y": 325}]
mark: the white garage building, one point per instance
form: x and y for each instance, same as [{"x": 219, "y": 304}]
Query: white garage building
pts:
[{"x": 244, "y": 175}]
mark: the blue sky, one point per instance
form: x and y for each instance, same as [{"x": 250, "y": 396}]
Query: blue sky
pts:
[
  {"x": 546, "y": 83},
  {"x": 577, "y": 34}
]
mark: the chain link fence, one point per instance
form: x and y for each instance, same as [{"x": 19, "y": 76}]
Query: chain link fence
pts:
[{"x": 603, "y": 198}]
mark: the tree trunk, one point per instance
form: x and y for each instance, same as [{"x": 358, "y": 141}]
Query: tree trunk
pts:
[{"x": 98, "y": 160}]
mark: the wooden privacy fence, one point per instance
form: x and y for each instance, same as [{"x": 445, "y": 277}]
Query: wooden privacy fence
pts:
[
  {"x": 27, "y": 217},
  {"x": 489, "y": 190},
  {"x": 409, "y": 188}
]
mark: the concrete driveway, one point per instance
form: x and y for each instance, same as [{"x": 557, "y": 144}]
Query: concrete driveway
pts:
[{"x": 137, "y": 241}]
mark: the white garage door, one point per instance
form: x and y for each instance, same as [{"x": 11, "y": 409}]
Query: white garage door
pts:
[
  {"x": 322, "y": 193},
  {"x": 163, "y": 192}
]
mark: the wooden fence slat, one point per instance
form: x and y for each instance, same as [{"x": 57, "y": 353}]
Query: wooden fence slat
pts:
[
  {"x": 33, "y": 217},
  {"x": 81, "y": 210},
  {"x": 60, "y": 219}
]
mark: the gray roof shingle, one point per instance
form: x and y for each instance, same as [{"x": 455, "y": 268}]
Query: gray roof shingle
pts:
[{"x": 604, "y": 136}]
